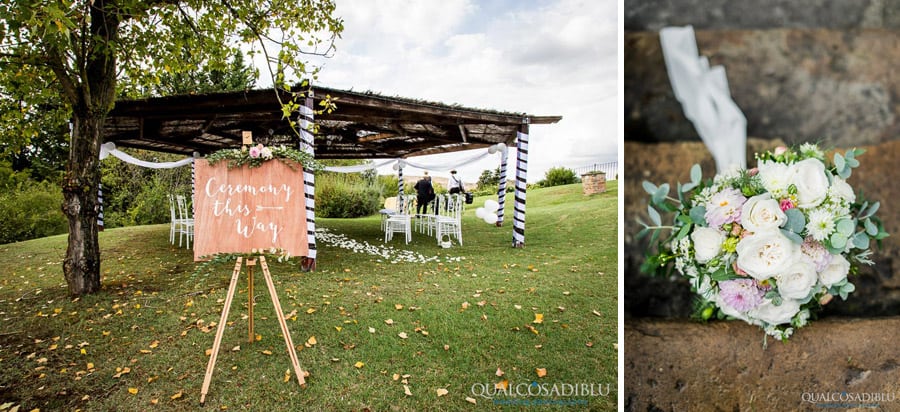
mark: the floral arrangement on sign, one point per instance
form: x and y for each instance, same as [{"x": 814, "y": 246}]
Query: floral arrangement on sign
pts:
[
  {"x": 769, "y": 245},
  {"x": 256, "y": 155}
]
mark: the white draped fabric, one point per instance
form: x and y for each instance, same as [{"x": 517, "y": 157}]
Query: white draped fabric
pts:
[
  {"x": 704, "y": 95},
  {"x": 110, "y": 149}
]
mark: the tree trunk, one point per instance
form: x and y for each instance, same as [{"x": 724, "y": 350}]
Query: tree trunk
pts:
[
  {"x": 82, "y": 264},
  {"x": 92, "y": 97}
]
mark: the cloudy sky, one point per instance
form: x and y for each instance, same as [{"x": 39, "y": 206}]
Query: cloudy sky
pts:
[{"x": 542, "y": 57}]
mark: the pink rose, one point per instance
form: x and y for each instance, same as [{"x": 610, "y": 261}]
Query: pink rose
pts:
[
  {"x": 254, "y": 152},
  {"x": 780, "y": 150}
]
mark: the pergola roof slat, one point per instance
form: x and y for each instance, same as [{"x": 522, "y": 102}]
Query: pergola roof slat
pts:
[{"x": 364, "y": 125}]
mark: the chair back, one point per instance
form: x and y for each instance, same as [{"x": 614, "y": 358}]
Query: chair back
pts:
[
  {"x": 172, "y": 208},
  {"x": 183, "y": 211}
]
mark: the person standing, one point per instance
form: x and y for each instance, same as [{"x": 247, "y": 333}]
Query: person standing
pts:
[
  {"x": 456, "y": 185},
  {"x": 424, "y": 194}
]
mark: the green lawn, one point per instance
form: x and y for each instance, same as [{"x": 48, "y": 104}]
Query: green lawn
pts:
[{"x": 140, "y": 343}]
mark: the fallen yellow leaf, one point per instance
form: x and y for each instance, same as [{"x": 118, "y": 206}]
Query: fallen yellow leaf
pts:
[
  {"x": 407, "y": 391},
  {"x": 502, "y": 385},
  {"x": 396, "y": 377},
  {"x": 310, "y": 311},
  {"x": 154, "y": 344},
  {"x": 133, "y": 391},
  {"x": 389, "y": 321},
  {"x": 538, "y": 318},
  {"x": 311, "y": 341},
  {"x": 499, "y": 372},
  {"x": 442, "y": 392},
  {"x": 398, "y": 306},
  {"x": 266, "y": 352},
  {"x": 471, "y": 400},
  {"x": 154, "y": 401},
  {"x": 146, "y": 351},
  {"x": 176, "y": 396},
  {"x": 90, "y": 366},
  {"x": 541, "y": 372},
  {"x": 359, "y": 365},
  {"x": 287, "y": 375},
  {"x": 402, "y": 335}
]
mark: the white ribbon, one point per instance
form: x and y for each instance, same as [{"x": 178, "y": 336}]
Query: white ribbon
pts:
[
  {"x": 704, "y": 95},
  {"x": 109, "y": 148}
]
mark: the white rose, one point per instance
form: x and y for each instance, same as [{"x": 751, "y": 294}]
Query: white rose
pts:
[
  {"x": 797, "y": 280},
  {"x": 761, "y": 212},
  {"x": 842, "y": 190},
  {"x": 835, "y": 272},
  {"x": 765, "y": 254},
  {"x": 775, "y": 315},
  {"x": 707, "y": 243},
  {"x": 811, "y": 182}
]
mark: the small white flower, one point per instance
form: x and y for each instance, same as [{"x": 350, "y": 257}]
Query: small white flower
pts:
[
  {"x": 811, "y": 150},
  {"x": 775, "y": 177},
  {"x": 820, "y": 224},
  {"x": 841, "y": 190},
  {"x": 802, "y": 318}
]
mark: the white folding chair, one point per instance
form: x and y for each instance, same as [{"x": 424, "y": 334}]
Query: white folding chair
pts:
[
  {"x": 449, "y": 222},
  {"x": 398, "y": 223},
  {"x": 186, "y": 229},
  {"x": 174, "y": 223}
]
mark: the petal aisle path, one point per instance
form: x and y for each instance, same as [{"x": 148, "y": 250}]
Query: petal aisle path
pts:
[{"x": 389, "y": 253}]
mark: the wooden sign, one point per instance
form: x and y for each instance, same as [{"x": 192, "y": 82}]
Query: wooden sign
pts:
[{"x": 237, "y": 210}]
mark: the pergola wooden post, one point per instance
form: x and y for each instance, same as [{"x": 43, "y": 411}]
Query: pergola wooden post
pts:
[{"x": 521, "y": 180}]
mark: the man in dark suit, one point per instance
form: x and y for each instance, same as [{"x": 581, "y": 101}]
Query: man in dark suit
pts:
[{"x": 424, "y": 194}]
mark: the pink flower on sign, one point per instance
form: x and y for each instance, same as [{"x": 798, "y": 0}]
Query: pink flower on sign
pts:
[
  {"x": 724, "y": 207},
  {"x": 741, "y": 294},
  {"x": 780, "y": 150},
  {"x": 255, "y": 151}
]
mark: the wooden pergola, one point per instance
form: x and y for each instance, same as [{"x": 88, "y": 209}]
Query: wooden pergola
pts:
[{"x": 362, "y": 126}]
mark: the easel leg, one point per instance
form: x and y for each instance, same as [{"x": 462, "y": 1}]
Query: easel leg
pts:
[
  {"x": 284, "y": 329},
  {"x": 250, "y": 264},
  {"x": 220, "y": 331}
]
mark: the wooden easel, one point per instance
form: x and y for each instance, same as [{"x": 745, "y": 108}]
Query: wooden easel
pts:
[{"x": 222, "y": 321}]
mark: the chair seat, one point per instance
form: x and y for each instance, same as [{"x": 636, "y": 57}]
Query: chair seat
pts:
[{"x": 397, "y": 224}]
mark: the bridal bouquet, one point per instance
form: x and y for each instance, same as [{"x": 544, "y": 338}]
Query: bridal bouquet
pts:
[{"x": 769, "y": 245}]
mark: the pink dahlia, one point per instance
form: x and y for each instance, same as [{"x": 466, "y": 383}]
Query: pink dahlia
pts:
[{"x": 740, "y": 294}]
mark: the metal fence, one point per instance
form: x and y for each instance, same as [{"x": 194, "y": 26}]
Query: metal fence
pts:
[{"x": 610, "y": 168}]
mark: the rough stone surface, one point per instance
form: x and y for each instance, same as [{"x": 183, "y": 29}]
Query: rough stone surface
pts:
[
  {"x": 837, "y": 87},
  {"x": 722, "y": 366},
  {"x": 592, "y": 183},
  {"x": 878, "y": 287},
  {"x": 761, "y": 14}
]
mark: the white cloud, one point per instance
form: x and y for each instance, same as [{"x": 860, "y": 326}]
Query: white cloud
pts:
[{"x": 533, "y": 56}]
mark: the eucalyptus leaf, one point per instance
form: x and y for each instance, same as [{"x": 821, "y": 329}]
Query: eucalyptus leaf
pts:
[
  {"x": 845, "y": 227},
  {"x": 698, "y": 215},
  {"x": 650, "y": 188},
  {"x": 661, "y": 192},
  {"x": 838, "y": 241},
  {"x": 796, "y": 222},
  {"x": 792, "y": 236},
  {"x": 687, "y": 187},
  {"x": 654, "y": 216},
  {"x": 871, "y": 228},
  {"x": 839, "y": 162},
  {"x": 851, "y": 162},
  {"x": 873, "y": 209},
  {"x": 643, "y": 232},
  {"x": 861, "y": 240},
  {"x": 844, "y": 173},
  {"x": 696, "y": 174}
]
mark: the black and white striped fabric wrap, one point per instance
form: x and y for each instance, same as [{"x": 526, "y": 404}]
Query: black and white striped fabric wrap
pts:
[
  {"x": 501, "y": 189},
  {"x": 100, "y": 223},
  {"x": 309, "y": 178},
  {"x": 521, "y": 179}
]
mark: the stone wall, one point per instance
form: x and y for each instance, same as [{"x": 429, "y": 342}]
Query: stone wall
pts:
[
  {"x": 594, "y": 182},
  {"x": 723, "y": 366}
]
